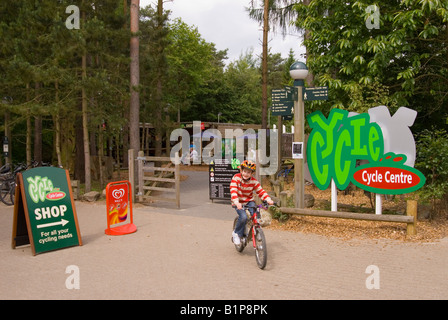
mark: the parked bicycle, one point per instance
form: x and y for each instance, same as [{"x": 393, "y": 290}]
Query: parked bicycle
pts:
[
  {"x": 8, "y": 180},
  {"x": 8, "y": 183},
  {"x": 255, "y": 232}
]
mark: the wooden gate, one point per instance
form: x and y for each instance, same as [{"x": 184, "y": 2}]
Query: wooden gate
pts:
[{"x": 158, "y": 174}]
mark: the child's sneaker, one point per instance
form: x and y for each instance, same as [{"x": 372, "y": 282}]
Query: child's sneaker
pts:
[{"x": 236, "y": 238}]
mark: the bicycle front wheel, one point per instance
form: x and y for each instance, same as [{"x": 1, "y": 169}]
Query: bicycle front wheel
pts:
[
  {"x": 261, "y": 252},
  {"x": 238, "y": 247}
]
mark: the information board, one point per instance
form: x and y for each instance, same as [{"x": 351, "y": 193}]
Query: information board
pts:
[
  {"x": 317, "y": 93},
  {"x": 44, "y": 211},
  {"x": 221, "y": 172},
  {"x": 283, "y": 101}
]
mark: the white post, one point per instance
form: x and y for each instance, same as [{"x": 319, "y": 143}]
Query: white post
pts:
[
  {"x": 140, "y": 174},
  {"x": 378, "y": 204},
  {"x": 334, "y": 196}
]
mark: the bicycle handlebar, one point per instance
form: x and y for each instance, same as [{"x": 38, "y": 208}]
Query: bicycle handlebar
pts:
[{"x": 264, "y": 204}]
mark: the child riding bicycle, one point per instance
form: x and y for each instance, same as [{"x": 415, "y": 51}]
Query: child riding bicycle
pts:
[{"x": 242, "y": 186}]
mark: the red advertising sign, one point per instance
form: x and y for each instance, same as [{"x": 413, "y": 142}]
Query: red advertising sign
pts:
[
  {"x": 388, "y": 176},
  {"x": 119, "y": 208}
]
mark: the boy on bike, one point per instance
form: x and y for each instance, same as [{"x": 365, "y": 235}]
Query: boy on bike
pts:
[{"x": 242, "y": 186}]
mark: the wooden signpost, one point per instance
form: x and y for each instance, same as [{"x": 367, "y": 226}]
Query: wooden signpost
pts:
[{"x": 44, "y": 211}]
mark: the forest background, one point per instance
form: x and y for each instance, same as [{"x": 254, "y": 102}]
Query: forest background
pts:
[{"x": 65, "y": 91}]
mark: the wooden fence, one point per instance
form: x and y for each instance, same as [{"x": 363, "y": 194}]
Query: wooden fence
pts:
[{"x": 410, "y": 218}]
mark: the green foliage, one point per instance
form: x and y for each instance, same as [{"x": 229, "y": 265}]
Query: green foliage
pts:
[
  {"x": 40, "y": 63},
  {"x": 432, "y": 146},
  {"x": 278, "y": 215},
  {"x": 406, "y": 58},
  {"x": 244, "y": 80},
  {"x": 361, "y": 98},
  {"x": 195, "y": 72}
]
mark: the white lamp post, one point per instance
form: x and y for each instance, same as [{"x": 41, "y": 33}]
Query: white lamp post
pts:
[{"x": 299, "y": 72}]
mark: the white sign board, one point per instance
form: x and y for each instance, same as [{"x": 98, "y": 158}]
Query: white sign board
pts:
[{"x": 297, "y": 150}]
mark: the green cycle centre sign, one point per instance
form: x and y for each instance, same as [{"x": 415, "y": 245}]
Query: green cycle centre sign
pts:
[
  {"x": 336, "y": 144},
  {"x": 44, "y": 211}
]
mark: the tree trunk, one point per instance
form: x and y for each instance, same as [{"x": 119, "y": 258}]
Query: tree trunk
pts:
[
  {"x": 101, "y": 155},
  {"x": 158, "y": 116},
  {"x": 79, "y": 171},
  {"x": 38, "y": 139},
  {"x": 134, "y": 108},
  {"x": 264, "y": 71},
  {"x": 158, "y": 98},
  {"x": 29, "y": 137},
  {"x": 29, "y": 128},
  {"x": 57, "y": 124},
  {"x": 37, "y": 132},
  {"x": 85, "y": 123},
  {"x": 85, "y": 129},
  {"x": 125, "y": 136},
  {"x": 310, "y": 77}
]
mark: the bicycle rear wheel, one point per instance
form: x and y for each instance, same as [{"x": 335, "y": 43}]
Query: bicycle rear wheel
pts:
[
  {"x": 7, "y": 192},
  {"x": 261, "y": 252}
]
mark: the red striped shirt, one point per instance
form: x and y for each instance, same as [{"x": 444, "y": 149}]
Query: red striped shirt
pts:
[{"x": 242, "y": 191}]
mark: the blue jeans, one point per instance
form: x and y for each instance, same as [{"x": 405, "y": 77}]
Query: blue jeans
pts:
[{"x": 242, "y": 218}]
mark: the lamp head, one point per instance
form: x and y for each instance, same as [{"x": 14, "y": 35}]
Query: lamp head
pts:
[{"x": 298, "y": 71}]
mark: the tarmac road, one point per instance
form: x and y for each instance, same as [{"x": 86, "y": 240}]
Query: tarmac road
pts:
[{"x": 187, "y": 254}]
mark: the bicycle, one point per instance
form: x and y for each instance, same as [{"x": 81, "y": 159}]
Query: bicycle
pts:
[
  {"x": 8, "y": 184},
  {"x": 285, "y": 171},
  {"x": 255, "y": 232}
]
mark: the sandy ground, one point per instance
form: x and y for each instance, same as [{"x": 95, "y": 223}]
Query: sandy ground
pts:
[{"x": 187, "y": 254}]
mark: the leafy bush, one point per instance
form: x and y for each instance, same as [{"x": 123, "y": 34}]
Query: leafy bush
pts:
[
  {"x": 278, "y": 215},
  {"x": 432, "y": 161}
]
